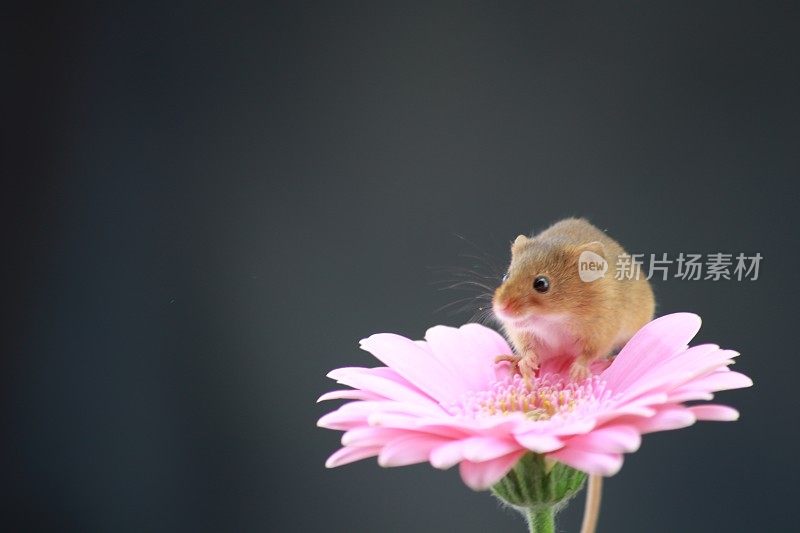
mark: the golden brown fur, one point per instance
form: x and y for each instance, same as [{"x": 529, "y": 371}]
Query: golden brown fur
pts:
[{"x": 584, "y": 319}]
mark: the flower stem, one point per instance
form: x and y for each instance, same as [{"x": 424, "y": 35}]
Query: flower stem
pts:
[{"x": 541, "y": 520}]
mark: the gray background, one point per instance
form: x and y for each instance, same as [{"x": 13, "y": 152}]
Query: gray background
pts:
[{"x": 208, "y": 206}]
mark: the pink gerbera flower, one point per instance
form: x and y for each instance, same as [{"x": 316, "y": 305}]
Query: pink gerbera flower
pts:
[{"x": 444, "y": 400}]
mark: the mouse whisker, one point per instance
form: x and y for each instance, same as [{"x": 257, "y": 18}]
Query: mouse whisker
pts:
[
  {"x": 483, "y": 315},
  {"x": 484, "y": 256},
  {"x": 455, "y": 302},
  {"x": 466, "y": 272},
  {"x": 461, "y": 284},
  {"x": 483, "y": 263},
  {"x": 470, "y": 299},
  {"x": 480, "y": 277}
]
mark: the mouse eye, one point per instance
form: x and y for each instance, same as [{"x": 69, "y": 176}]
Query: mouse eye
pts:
[
  {"x": 505, "y": 277},
  {"x": 541, "y": 284}
]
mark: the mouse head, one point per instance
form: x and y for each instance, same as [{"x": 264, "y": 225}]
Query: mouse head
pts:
[{"x": 544, "y": 279}]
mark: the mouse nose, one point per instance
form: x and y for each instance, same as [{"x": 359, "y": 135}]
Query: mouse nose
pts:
[
  {"x": 504, "y": 306},
  {"x": 503, "y": 302}
]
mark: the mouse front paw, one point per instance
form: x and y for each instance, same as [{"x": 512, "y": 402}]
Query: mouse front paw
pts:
[
  {"x": 526, "y": 366},
  {"x": 508, "y": 358},
  {"x": 579, "y": 370}
]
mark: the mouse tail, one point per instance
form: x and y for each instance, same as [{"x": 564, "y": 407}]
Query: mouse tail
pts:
[{"x": 591, "y": 511}]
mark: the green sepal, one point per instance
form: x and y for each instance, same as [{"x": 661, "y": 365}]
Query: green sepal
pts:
[{"x": 536, "y": 483}]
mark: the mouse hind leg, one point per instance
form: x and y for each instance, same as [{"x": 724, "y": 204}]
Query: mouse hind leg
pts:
[{"x": 598, "y": 344}]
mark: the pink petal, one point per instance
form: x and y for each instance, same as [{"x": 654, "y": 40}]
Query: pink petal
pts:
[
  {"x": 689, "y": 395},
  {"x": 702, "y": 388},
  {"x": 481, "y": 476},
  {"x": 573, "y": 427},
  {"x": 689, "y": 366},
  {"x": 480, "y": 449},
  {"x": 340, "y": 421},
  {"x": 722, "y": 380},
  {"x": 609, "y": 439},
  {"x": 604, "y": 464},
  {"x": 458, "y": 352},
  {"x": 349, "y": 394},
  {"x": 656, "y": 341},
  {"x": 672, "y": 372},
  {"x": 643, "y": 406},
  {"x": 491, "y": 426},
  {"x": 358, "y": 413},
  {"x": 441, "y": 428},
  {"x": 368, "y": 436},
  {"x": 344, "y": 456},
  {"x": 538, "y": 442},
  {"x": 408, "y": 450},
  {"x": 488, "y": 345},
  {"x": 491, "y": 343},
  {"x": 475, "y": 449},
  {"x": 667, "y": 418},
  {"x": 368, "y": 379},
  {"x": 415, "y": 364},
  {"x": 718, "y": 413},
  {"x": 365, "y": 408},
  {"x": 637, "y": 410},
  {"x": 447, "y": 455}
]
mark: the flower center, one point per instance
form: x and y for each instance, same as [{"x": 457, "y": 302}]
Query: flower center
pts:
[{"x": 544, "y": 398}]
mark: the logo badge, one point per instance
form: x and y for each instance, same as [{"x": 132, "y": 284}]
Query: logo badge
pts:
[{"x": 591, "y": 266}]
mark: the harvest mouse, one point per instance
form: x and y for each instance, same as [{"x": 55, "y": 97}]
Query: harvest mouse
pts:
[{"x": 547, "y": 309}]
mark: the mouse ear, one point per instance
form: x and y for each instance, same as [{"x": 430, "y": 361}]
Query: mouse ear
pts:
[
  {"x": 519, "y": 242},
  {"x": 594, "y": 246}
]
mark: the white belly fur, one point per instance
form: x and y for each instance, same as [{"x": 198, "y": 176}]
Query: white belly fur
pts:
[{"x": 553, "y": 336}]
